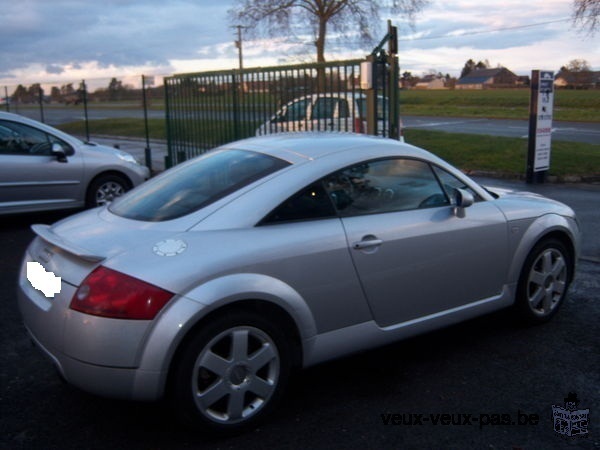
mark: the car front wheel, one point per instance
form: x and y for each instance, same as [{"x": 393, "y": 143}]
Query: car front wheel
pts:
[
  {"x": 231, "y": 373},
  {"x": 544, "y": 281},
  {"x": 105, "y": 189}
]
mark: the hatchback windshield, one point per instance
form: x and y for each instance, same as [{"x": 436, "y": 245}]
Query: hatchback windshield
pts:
[{"x": 195, "y": 184}]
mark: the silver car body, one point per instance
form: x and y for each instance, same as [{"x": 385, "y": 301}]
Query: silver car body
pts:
[
  {"x": 31, "y": 181},
  {"x": 342, "y": 290}
]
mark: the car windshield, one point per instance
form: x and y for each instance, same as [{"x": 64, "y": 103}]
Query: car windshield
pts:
[{"x": 195, "y": 184}]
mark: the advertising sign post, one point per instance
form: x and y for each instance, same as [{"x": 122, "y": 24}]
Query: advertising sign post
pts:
[{"x": 540, "y": 125}]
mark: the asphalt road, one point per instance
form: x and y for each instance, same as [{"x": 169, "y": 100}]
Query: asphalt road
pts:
[
  {"x": 474, "y": 370},
  {"x": 563, "y": 131}
]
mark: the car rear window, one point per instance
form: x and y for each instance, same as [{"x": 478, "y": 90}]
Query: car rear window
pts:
[{"x": 195, "y": 184}]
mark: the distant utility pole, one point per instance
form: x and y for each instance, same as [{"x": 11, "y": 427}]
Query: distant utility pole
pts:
[{"x": 238, "y": 44}]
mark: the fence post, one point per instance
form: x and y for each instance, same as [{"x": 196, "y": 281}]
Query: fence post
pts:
[
  {"x": 6, "y": 99},
  {"x": 41, "y": 102},
  {"x": 236, "y": 112},
  {"x": 83, "y": 89},
  {"x": 147, "y": 151},
  {"x": 394, "y": 75},
  {"x": 168, "y": 158},
  {"x": 371, "y": 93}
]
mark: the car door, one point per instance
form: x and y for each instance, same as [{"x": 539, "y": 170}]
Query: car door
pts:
[
  {"x": 414, "y": 255},
  {"x": 307, "y": 246},
  {"x": 31, "y": 176}
]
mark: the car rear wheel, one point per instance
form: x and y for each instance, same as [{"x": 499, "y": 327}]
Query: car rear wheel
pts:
[
  {"x": 544, "y": 281},
  {"x": 105, "y": 189},
  {"x": 231, "y": 374}
]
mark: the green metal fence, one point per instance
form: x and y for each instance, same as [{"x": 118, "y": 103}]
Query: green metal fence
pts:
[{"x": 205, "y": 110}]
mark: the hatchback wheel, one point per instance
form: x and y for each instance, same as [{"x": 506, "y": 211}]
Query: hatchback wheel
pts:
[
  {"x": 544, "y": 281},
  {"x": 231, "y": 374},
  {"x": 105, "y": 189}
]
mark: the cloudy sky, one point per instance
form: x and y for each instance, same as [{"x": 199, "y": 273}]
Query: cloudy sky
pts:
[{"x": 66, "y": 40}]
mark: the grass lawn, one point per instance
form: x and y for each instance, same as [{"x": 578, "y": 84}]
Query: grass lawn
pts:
[
  {"x": 505, "y": 155},
  {"x": 570, "y": 105},
  {"x": 118, "y": 127}
]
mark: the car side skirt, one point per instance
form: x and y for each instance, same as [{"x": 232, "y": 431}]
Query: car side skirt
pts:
[{"x": 367, "y": 335}]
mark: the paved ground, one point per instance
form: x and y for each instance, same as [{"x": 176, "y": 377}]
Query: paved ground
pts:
[{"x": 561, "y": 131}]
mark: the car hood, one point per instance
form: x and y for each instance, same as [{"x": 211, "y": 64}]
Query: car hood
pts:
[
  {"x": 92, "y": 146},
  {"x": 522, "y": 204}
]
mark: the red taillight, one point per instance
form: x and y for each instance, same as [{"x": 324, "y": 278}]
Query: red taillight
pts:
[{"x": 108, "y": 293}]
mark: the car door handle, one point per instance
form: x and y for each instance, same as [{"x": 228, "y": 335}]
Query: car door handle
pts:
[{"x": 367, "y": 243}]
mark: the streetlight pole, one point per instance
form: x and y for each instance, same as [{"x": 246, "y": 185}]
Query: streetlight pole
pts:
[{"x": 238, "y": 44}]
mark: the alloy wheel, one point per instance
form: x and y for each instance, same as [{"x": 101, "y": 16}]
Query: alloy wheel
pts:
[
  {"x": 235, "y": 374},
  {"x": 547, "y": 281}
]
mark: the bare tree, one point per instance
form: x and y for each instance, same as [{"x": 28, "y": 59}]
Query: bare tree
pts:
[
  {"x": 350, "y": 18},
  {"x": 586, "y": 14},
  {"x": 578, "y": 65}
]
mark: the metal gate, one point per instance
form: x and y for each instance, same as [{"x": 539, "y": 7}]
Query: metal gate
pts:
[{"x": 205, "y": 110}]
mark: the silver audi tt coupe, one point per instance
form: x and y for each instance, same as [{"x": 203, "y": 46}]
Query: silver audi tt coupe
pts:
[{"x": 210, "y": 283}]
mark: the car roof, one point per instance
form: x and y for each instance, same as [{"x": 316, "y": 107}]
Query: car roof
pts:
[
  {"x": 355, "y": 94},
  {"x": 11, "y": 116},
  {"x": 39, "y": 125},
  {"x": 296, "y": 147}
]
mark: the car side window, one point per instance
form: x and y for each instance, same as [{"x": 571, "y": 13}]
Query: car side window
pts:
[
  {"x": 343, "y": 111},
  {"x": 450, "y": 183},
  {"x": 296, "y": 111},
  {"x": 20, "y": 139},
  {"x": 386, "y": 185},
  {"x": 323, "y": 108},
  {"x": 310, "y": 203}
]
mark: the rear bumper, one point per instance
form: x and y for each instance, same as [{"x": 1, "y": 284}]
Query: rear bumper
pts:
[
  {"x": 113, "y": 382},
  {"x": 96, "y": 354}
]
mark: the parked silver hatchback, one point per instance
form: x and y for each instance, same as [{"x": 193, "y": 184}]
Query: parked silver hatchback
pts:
[
  {"x": 210, "y": 282},
  {"x": 42, "y": 168}
]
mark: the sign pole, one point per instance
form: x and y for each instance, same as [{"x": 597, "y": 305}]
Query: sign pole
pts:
[{"x": 540, "y": 125}]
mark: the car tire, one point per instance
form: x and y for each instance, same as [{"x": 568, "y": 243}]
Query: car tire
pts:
[
  {"x": 544, "y": 281},
  {"x": 231, "y": 374},
  {"x": 104, "y": 189}
]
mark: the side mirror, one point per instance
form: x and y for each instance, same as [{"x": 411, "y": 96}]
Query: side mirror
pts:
[
  {"x": 462, "y": 199},
  {"x": 59, "y": 152}
]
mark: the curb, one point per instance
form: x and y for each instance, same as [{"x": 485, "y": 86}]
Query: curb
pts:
[
  {"x": 590, "y": 259},
  {"x": 553, "y": 179}
]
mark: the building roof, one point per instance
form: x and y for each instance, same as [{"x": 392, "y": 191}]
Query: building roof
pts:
[
  {"x": 583, "y": 77},
  {"x": 479, "y": 76}
]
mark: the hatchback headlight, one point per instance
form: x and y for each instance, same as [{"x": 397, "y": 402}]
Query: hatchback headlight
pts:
[{"x": 127, "y": 157}]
